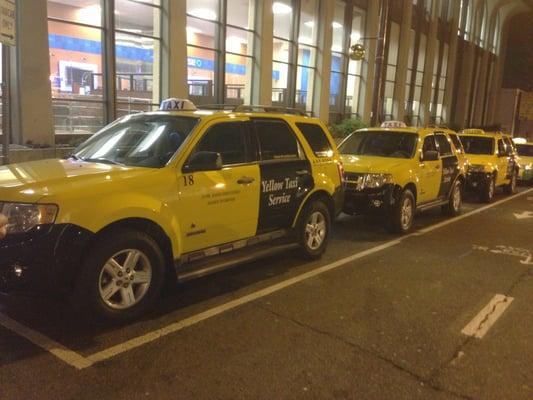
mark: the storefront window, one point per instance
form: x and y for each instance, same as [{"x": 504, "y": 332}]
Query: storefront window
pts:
[
  {"x": 338, "y": 61},
  {"x": 354, "y": 67},
  {"x": 76, "y": 66},
  {"x": 281, "y": 52},
  {"x": 390, "y": 76}
]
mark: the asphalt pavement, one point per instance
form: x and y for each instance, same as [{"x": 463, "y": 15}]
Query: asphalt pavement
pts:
[{"x": 378, "y": 317}]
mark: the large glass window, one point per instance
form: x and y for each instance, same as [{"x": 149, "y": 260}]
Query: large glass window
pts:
[
  {"x": 390, "y": 76},
  {"x": 438, "y": 86},
  {"x": 414, "y": 92},
  {"x": 355, "y": 68},
  {"x": 137, "y": 56},
  {"x": 75, "y": 37},
  {"x": 216, "y": 40},
  {"x": 77, "y": 41},
  {"x": 338, "y": 61},
  {"x": 281, "y": 52}
]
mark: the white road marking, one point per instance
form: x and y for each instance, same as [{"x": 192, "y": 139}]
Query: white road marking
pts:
[
  {"x": 523, "y": 215},
  {"x": 524, "y": 254},
  {"x": 487, "y": 317},
  {"x": 80, "y": 362},
  {"x": 64, "y": 354}
]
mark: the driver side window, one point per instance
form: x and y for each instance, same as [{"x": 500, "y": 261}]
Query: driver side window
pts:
[
  {"x": 429, "y": 144},
  {"x": 228, "y": 139}
]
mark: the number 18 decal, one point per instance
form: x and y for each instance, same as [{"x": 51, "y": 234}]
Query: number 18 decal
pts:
[{"x": 188, "y": 180}]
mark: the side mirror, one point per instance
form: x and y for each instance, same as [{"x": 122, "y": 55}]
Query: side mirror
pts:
[
  {"x": 204, "y": 161},
  {"x": 430, "y": 155}
]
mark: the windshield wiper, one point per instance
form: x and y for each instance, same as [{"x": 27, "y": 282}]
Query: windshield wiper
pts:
[
  {"x": 74, "y": 157},
  {"x": 103, "y": 161}
]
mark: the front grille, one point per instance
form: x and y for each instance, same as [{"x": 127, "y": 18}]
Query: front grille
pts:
[{"x": 354, "y": 180}]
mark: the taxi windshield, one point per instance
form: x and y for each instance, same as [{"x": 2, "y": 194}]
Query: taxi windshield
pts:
[
  {"x": 478, "y": 144},
  {"x": 138, "y": 140},
  {"x": 380, "y": 144},
  {"x": 525, "y": 150}
]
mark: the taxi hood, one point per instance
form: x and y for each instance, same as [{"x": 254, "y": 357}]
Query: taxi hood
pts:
[
  {"x": 369, "y": 164},
  {"x": 480, "y": 159},
  {"x": 32, "y": 181}
]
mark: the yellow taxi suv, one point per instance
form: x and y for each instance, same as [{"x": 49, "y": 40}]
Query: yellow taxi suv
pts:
[
  {"x": 524, "y": 150},
  {"x": 396, "y": 171},
  {"x": 492, "y": 163},
  {"x": 173, "y": 194}
]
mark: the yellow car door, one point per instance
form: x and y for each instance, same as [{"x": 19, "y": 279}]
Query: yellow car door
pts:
[
  {"x": 502, "y": 162},
  {"x": 430, "y": 172},
  {"x": 220, "y": 204}
]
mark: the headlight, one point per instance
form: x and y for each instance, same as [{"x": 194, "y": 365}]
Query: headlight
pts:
[
  {"x": 374, "y": 181},
  {"x": 476, "y": 168},
  {"x": 23, "y": 217},
  {"x": 528, "y": 167}
]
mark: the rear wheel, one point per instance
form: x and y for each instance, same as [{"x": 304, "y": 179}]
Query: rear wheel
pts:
[
  {"x": 403, "y": 214},
  {"x": 455, "y": 202},
  {"x": 510, "y": 188},
  {"x": 487, "y": 193},
  {"x": 121, "y": 277},
  {"x": 313, "y": 230}
]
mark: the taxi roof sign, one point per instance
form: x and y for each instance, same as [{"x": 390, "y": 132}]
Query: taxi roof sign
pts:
[
  {"x": 174, "y": 104},
  {"x": 393, "y": 124}
]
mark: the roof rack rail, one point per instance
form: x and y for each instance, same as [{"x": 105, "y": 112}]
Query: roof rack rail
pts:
[
  {"x": 217, "y": 107},
  {"x": 270, "y": 109}
]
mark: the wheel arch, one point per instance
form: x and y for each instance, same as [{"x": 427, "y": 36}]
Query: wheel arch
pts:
[{"x": 317, "y": 195}]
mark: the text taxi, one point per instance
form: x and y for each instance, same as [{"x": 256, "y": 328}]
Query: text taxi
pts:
[
  {"x": 492, "y": 162},
  {"x": 395, "y": 171},
  {"x": 175, "y": 193}
]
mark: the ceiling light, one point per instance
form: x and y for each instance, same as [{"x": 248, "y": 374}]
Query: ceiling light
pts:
[
  {"x": 355, "y": 36},
  {"x": 280, "y": 8},
  {"x": 336, "y": 48},
  {"x": 91, "y": 15},
  {"x": 305, "y": 40},
  {"x": 204, "y": 13},
  {"x": 190, "y": 29},
  {"x": 310, "y": 24},
  {"x": 336, "y": 25}
]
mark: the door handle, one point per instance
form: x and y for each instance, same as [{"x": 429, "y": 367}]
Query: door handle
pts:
[
  {"x": 302, "y": 172},
  {"x": 245, "y": 180},
  {"x": 437, "y": 167}
]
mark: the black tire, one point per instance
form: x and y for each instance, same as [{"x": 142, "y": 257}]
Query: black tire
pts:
[
  {"x": 120, "y": 244},
  {"x": 320, "y": 210},
  {"x": 400, "y": 221},
  {"x": 487, "y": 192},
  {"x": 510, "y": 188},
  {"x": 455, "y": 201}
]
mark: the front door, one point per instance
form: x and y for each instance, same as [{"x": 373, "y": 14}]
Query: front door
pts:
[
  {"x": 430, "y": 175},
  {"x": 450, "y": 165},
  {"x": 221, "y": 206}
]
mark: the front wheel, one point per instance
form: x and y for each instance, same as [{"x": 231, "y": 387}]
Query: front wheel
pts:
[
  {"x": 455, "y": 202},
  {"x": 403, "y": 214},
  {"x": 121, "y": 277},
  {"x": 313, "y": 230}
]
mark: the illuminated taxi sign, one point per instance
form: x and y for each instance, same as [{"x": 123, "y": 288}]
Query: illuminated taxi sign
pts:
[
  {"x": 174, "y": 104},
  {"x": 393, "y": 124}
]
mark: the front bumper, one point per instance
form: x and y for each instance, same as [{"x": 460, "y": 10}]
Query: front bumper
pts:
[
  {"x": 370, "y": 201},
  {"x": 477, "y": 180},
  {"x": 45, "y": 259}
]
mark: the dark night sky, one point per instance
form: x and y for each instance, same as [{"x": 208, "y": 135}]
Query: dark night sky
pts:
[{"x": 518, "y": 71}]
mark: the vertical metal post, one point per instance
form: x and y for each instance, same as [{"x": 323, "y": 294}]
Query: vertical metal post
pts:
[
  {"x": 293, "y": 55},
  {"x": 110, "y": 69},
  {"x": 220, "y": 69},
  {"x": 6, "y": 104},
  {"x": 380, "y": 55}
]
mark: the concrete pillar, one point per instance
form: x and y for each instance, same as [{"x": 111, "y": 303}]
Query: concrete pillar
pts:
[
  {"x": 452, "y": 63},
  {"x": 432, "y": 54},
  {"x": 403, "y": 60},
  {"x": 174, "y": 51},
  {"x": 263, "y": 48},
  {"x": 369, "y": 66},
  {"x": 30, "y": 79},
  {"x": 323, "y": 70}
]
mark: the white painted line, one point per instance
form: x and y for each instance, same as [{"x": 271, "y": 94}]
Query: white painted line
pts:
[
  {"x": 80, "y": 362},
  {"x": 487, "y": 317},
  {"x": 177, "y": 326},
  {"x": 58, "y": 350}
]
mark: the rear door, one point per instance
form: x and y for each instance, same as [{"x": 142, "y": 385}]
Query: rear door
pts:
[
  {"x": 286, "y": 175},
  {"x": 430, "y": 173},
  {"x": 450, "y": 164}
]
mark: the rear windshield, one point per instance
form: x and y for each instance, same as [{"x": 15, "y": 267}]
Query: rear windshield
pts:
[
  {"x": 525, "y": 150},
  {"x": 317, "y": 139},
  {"x": 380, "y": 144},
  {"x": 477, "y": 145}
]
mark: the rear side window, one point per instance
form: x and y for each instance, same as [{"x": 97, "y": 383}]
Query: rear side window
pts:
[
  {"x": 276, "y": 140},
  {"x": 429, "y": 144},
  {"x": 317, "y": 139},
  {"x": 445, "y": 149},
  {"x": 457, "y": 142},
  {"x": 501, "y": 147}
]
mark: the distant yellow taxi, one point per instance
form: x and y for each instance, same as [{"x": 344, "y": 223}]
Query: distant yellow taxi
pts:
[
  {"x": 395, "y": 171},
  {"x": 492, "y": 162},
  {"x": 178, "y": 193},
  {"x": 525, "y": 152}
]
